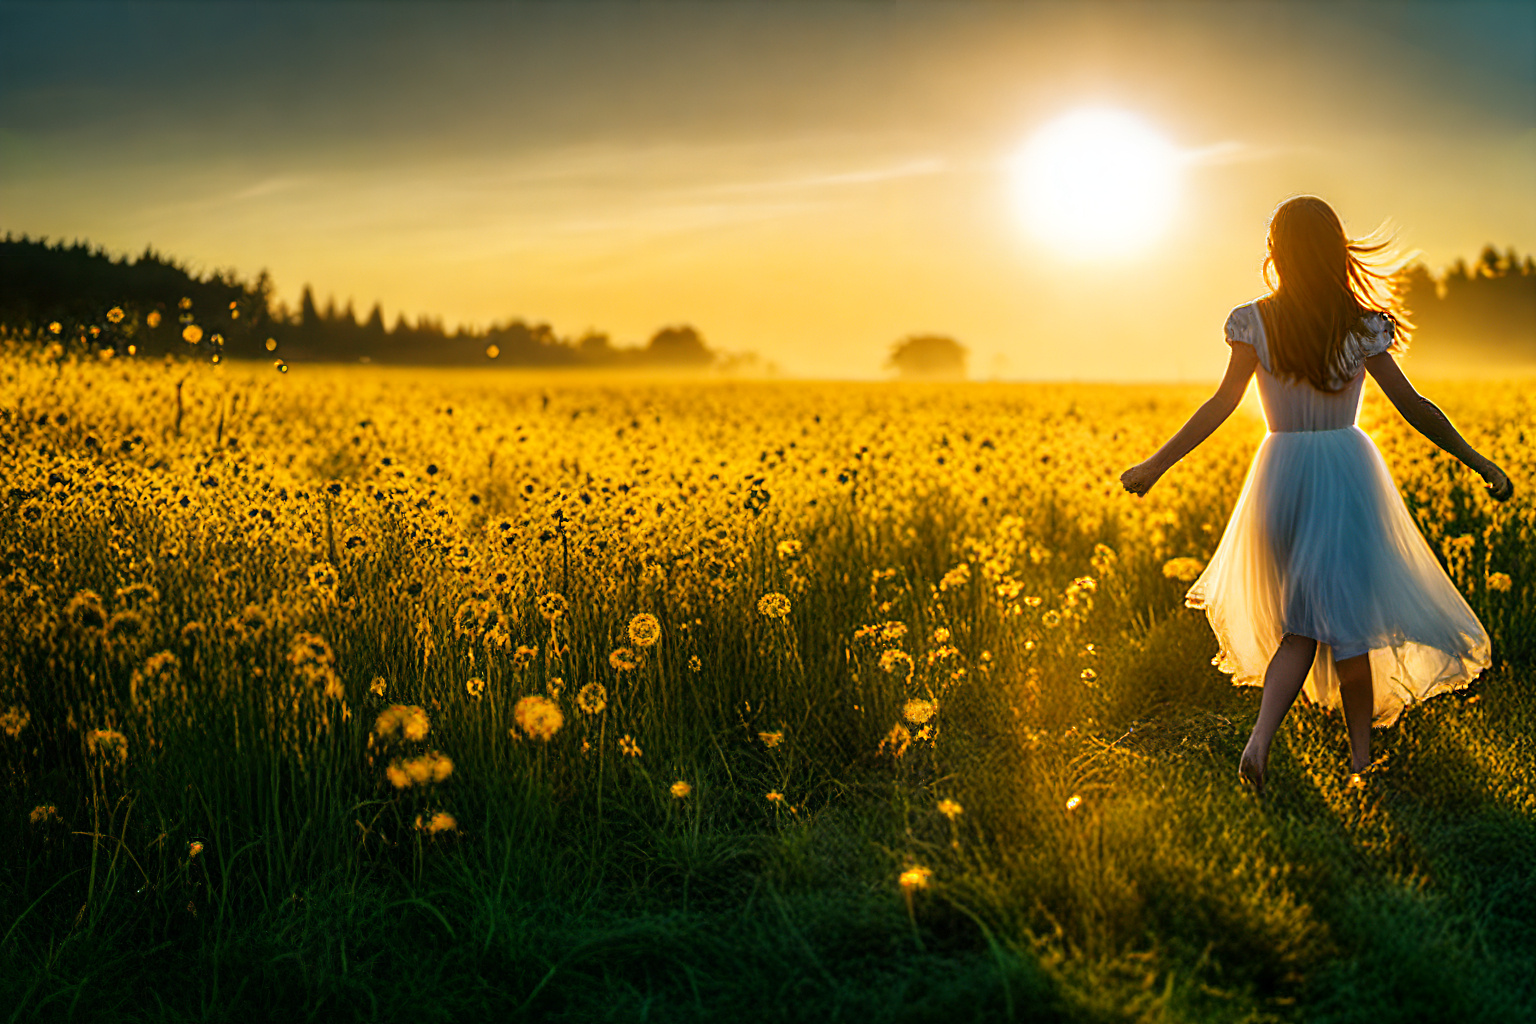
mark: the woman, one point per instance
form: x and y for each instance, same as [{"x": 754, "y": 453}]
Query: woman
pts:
[{"x": 1321, "y": 576}]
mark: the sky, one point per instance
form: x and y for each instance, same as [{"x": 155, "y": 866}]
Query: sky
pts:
[{"x": 809, "y": 181}]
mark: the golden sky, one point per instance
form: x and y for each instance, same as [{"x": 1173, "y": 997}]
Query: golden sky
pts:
[{"x": 809, "y": 181}]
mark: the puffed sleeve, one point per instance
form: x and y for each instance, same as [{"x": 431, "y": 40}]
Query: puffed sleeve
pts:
[{"x": 1244, "y": 326}]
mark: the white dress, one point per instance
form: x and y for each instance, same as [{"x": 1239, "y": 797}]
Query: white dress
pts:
[{"x": 1320, "y": 544}]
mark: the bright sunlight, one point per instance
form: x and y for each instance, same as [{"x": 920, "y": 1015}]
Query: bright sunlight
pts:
[{"x": 1097, "y": 182}]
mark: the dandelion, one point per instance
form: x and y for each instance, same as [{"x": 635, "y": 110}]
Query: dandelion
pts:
[
  {"x": 107, "y": 744},
  {"x": 895, "y": 660},
  {"x": 85, "y": 611},
  {"x": 941, "y": 635},
  {"x": 1074, "y": 802},
  {"x": 475, "y": 687},
  {"x": 695, "y": 665},
  {"x": 775, "y": 797},
  {"x": 771, "y": 739},
  {"x": 407, "y": 719},
  {"x": 1500, "y": 581},
  {"x": 115, "y": 315},
  {"x": 914, "y": 878},
  {"x": 1051, "y": 619},
  {"x": 377, "y": 686},
  {"x": 622, "y": 659},
  {"x": 192, "y": 334},
  {"x": 14, "y": 720},
  {"x": 788, "y": 550},
  {"x": 153, "y": 319},
  {"x": 55, "y": 327},
  {"x": 774, "y": 605},
  {"x": 917, "y": 711},
  {"x": 419, "y": 771},
  {"x": 43, "y": 813},
  {"x": 538, "y": 717},
  {"x": 552, "y": 605},
  {"x": 950, "y": 809},
  {"x": 644, "y": 629},
  {"x": 1183, "y": 569},
  {"x": 592, "y": 698},
  {"x": 1088, "y": 676},
  {"x": 440, "y": 821},
  {"x": 681, "y": 789}
]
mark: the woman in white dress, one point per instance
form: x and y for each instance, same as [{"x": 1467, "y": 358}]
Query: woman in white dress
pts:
[{"x": 1322, "y": 578}]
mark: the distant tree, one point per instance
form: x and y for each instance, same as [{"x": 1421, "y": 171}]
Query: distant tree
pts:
[
  {"x": 678, "y": 346},
  {"x": 928, "y": 356},
  {"x": 374, "y": 328},
  {"x": 595, "y": 347}
]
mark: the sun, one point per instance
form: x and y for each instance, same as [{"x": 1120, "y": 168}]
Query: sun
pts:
[{"x": 1097, "y": 182}]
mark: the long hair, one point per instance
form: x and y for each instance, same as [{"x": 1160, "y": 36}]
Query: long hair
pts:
[{"x": 1326, "y": 284}]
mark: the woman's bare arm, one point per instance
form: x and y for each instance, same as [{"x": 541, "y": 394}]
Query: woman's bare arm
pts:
[
  {"x": 1425, "y": 417},
  {"x": 1140, "y": 478}
]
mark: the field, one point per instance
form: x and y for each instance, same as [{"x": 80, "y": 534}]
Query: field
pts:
[{"x": 348, "y": 693}]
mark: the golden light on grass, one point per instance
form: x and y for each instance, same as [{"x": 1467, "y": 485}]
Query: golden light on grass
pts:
[{"x": 1097, "y": 182}]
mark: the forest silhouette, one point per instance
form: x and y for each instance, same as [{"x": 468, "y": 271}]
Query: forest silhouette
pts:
[{"x": 1471, "y": 318}]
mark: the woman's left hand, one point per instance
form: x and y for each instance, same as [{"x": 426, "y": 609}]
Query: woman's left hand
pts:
[{"x": 1140, "y": 478}]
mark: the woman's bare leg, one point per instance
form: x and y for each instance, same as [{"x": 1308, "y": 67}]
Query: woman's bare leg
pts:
[
  {"x": 1282, "y": 682},
  {"x": 1359, "y": 705}
]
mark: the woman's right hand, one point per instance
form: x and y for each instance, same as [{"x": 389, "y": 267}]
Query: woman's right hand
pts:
[
  {"x": 1139, "y": 478},
  {"x": 1500, "y": 488}
]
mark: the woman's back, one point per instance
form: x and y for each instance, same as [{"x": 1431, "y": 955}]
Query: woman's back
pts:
[{"x": 1295, "y": 405}]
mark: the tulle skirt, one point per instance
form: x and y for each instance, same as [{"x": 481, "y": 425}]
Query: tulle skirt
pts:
[{"x": 1320, "y": 544}]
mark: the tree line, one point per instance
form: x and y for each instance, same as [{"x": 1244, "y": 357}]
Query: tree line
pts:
[{"x": 153, "y": 305}]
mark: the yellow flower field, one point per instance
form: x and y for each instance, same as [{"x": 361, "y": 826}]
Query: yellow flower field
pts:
[{"x": 355, "y": 614}]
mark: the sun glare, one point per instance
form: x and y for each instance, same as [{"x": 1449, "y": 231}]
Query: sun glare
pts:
[{"x": 1097, "y": 182}]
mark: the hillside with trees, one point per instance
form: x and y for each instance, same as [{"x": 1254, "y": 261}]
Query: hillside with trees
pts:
[{"x": 154, "y": 306}]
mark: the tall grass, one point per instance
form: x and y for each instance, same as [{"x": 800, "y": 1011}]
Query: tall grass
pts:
[{"x": 250, "y": 857}]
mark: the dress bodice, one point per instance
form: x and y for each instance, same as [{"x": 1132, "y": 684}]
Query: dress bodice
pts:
[{"x": 1295, "y": 405}]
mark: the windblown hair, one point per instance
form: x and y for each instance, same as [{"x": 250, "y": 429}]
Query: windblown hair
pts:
[{"x": 1325, "y": 287}]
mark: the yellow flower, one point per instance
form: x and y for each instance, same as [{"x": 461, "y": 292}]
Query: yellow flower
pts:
[
  {"x": 153, "y": 319},
  {"x": 788, "y": 549},
  {"x": 1500, "y": 581},
  {"x": 892, "y": 632},
  {"x": 592, "y": 698},
  {"x": 950, "y": 809},
  {"x": 192, "y": 334},
  {"x": 55, "y": 327},
  {"x": 895, "y": 660},
  {"x": 115, "y": 314},
  {"x": 322, "y": 577},
  {"x": 644, "y": 629},
  {"x": 775, "y": 797},
  {"x": 629, "y": 747},
  {"x": 407, "y": 719},
  {"x": 440, "y": 821},
  {"x": 107, "y": 744},
  {"x": 377, "y": 686},
  {"x": 694, "y": 664},
  {"x": 771, "y": 739},
  {"x": 1052, "y": 619},
  {"x": 918, "y": 710},
  {"x": 1088, "y": 676},
  {"x": 941, "y": 635},
  {"x": 681, "y": 789},
  {"x": 915, "y": 878},
  {"x": 419, "y": 771},
  {"x": 959, "y": 576},
  {"x": 1032, "y": 602},
  {"x": 538, "y": 717},
  {"x": 14, "y": 720},
  {"x": 897, "y": 740},
  {"x": 1074, "y": 802},
  {"x": 43, "y": 813},
  {"x": 775, "y": 605},
  {"x": 475, "y": 687},
  {"x": 553, "y": 605},
  {"x": 194, "y": 849},
  {"x": 1183, "y": 569},
  {"x": 622, "y": 660}
]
